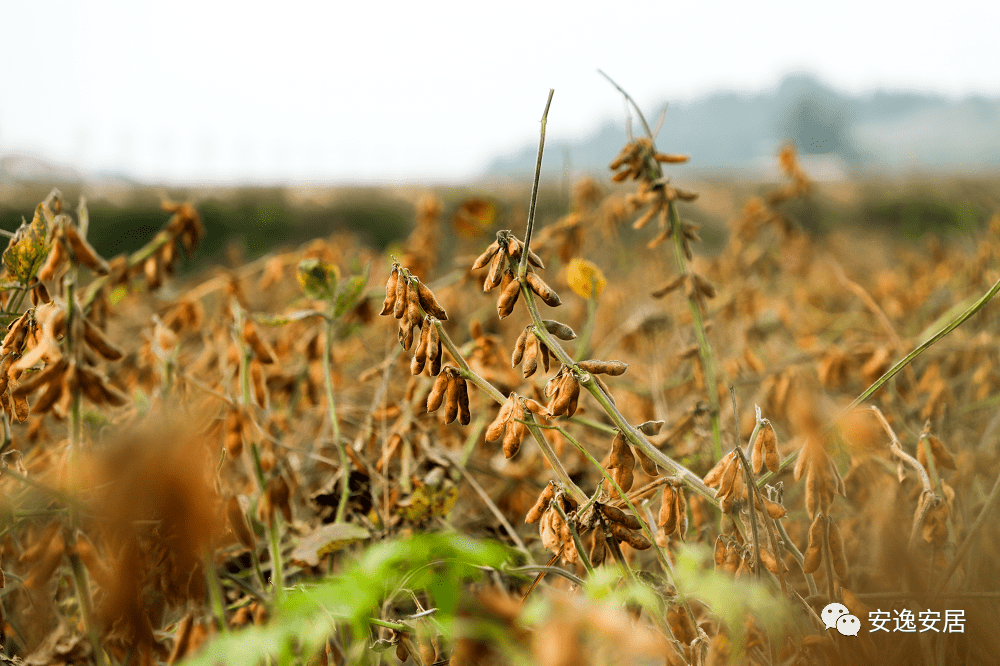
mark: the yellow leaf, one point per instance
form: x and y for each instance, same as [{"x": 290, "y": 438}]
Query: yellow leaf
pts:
[
  {"x": 429, "y": 501},
  {"x": 28, "y": 249},
  {"x": 585, "y": 278}
]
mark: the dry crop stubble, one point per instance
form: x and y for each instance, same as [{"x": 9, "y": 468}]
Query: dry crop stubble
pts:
[{"x": 317, "y": 432}]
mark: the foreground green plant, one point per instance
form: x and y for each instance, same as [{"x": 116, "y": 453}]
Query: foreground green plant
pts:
[{"x": 436, "y": 566}]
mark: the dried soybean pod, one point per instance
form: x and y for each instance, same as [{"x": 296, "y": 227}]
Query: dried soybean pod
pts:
[
  {"x": 667, "y": 519},
  {"x": 515, "y": 431},
  {"x": 535, "y": 512},
  {"x": 499, "y": 424},
  {"x": 429, "y": 303},
  {"x": 434, "y": 350},
  {"x": 634, "y": 539},
  {"x": 774, "y": 565},
  {"x": 719, "y": 554},
  {"x": 518, "y": 354},
  {"x": 619, "y": 516},
  {"x": 535, "y": 260},
  {"x": 837, "y": 552},
  {"x": 613, "y": 368},
  {"x": 544, "y": 291},
  {"x": 57, "y": 257},
  {"x": 508, "y": 277},
  {"x": 260, "y": 349},
  {"x": 552, "y": 386},
  {"x": 560, "y": 402},
  {"x": 402, "y": 296},
  {"x": 714, "y": 476},
  {"x": 650, "y": 428},
  {"x": 420, "y": 353},
  {"x": 508, "y": 298},
  {"x": 103, "y": 346},
  {"x": 774, "y": 509},
  {"x": 515, "y": 248},
  {"x": 682, "y": 516},
  {"x": 647, "y": 464},
  {"x": 942, "y": 456},
  {"x": 574, "y": 395},
  {"x": 801, "y": 462},
  {"x": 728, "y": 479},
  {"x": 770, "y": 447},
  {"x": 464, "y": 415},
  {"x": 495, "y": 274},
  {"x": 598, "y": 549},
  {"x": 85, "y": 254},
  {"x": 436, "y": 396},
  {"x": 405, "y": 334},
  {"x": 390, "y": 292},
  {"x": 451, "y": 398},
  {"x": 757, "y": 452},
  {"x": 485, "y": 257},
  {"x": 544, "y": 351},
  {"x": 814, "y": 552},
  {"x": 534, "y": 407},
  {"x": 618, "y": 446},
  {"x": 558, "y": 329},
  {"x": 530, "y": 356}
]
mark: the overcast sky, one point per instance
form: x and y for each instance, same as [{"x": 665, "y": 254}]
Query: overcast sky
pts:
[{"x": 196, "y": 91}]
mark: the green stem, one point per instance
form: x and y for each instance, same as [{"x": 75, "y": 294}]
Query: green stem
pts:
[
  {"x": 704, "y": 347},
  {"x": 277, "y": 571},
  {"x": 470, "y": 375},
  {"x": 215, "y": 593},
  {"x": 345, "y": 489},
  {"x": 523, "y": 268},
  {"x": 82, "y": 586},
  {"x": 634, "y": 437},
  {"x": 539, "y": 568}
]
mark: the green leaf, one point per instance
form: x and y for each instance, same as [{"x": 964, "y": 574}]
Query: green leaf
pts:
[
  {"x": 28, "y": 249},
  {"x": 349, "y": 292},
  {"x": 306, "y": 614},
  {"x": 428, "y": 501},
  {"x": 318, "y": 278},
  {"x": 281, "y": 320},
  {"x": 732, "y": 600}
]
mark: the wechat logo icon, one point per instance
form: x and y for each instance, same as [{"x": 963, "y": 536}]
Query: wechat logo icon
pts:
[{"x": 837, "y": 616}]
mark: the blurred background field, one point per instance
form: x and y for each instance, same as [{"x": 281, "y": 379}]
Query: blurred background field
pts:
[{"x": 244, "y": 223}]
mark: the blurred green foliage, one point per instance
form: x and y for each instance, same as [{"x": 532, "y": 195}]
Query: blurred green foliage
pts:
[
  {"x": 914, "y": 216},
  {"x": 258, "y": 220}
]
